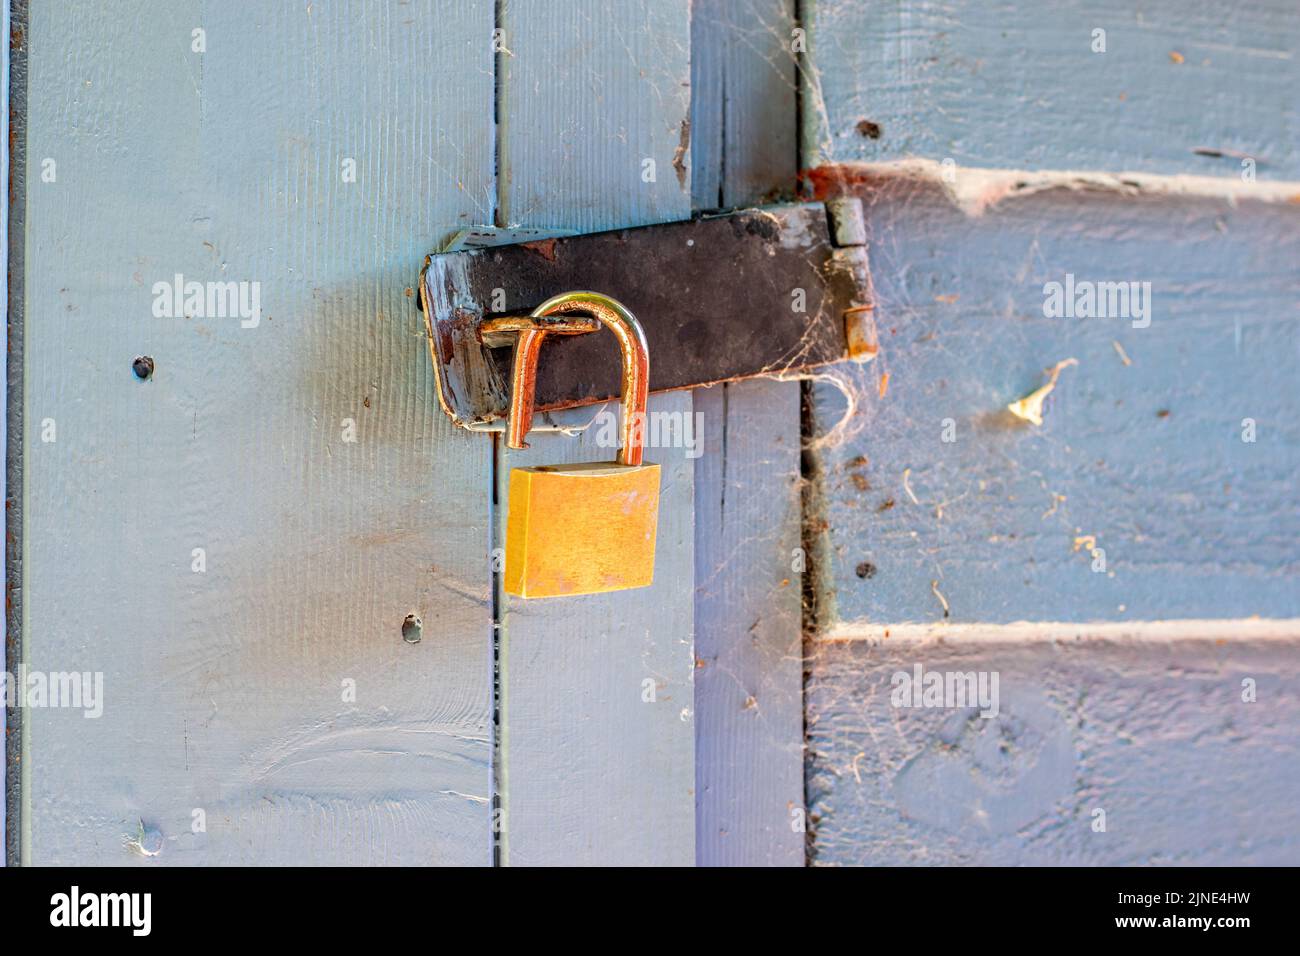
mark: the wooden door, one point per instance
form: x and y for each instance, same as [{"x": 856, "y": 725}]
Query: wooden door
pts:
[
  {"x": 275, "y": 549},
  {"x": 247, "y": 515}
]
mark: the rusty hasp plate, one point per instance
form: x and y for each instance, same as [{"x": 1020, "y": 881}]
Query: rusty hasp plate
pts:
[{"x": 748, "y": 293}]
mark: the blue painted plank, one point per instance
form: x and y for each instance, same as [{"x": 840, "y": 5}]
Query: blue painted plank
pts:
[
  {"x": 4, "y": 420},
  {"x": 1146, "y": 733},
  {"x": 748, "y": 604},
  {"x": 749, "y": 627},
  {"x": 1161, "y": 482},
  {"x": 261, "y": 687},
  {"x": 597, "y": 728},
  {"x": 1018, "y": 85}
]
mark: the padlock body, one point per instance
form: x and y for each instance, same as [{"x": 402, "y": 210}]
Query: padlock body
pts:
[{"x": 581, "y": 529}]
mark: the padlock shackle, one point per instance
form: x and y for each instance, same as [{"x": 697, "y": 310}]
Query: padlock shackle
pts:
[{"x": 635, "y": 377}]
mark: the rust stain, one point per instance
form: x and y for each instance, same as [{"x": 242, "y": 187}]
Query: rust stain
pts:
[{"x": 543, "y": 247}]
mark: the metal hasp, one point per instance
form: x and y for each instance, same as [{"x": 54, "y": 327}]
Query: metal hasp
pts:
[{"x": 763, "y": 291}]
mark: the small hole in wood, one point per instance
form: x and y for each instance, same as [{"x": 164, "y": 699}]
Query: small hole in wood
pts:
[{"x": 869, "y": 129}]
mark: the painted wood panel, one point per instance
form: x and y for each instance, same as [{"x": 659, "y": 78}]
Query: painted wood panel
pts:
[
  {"x": 1148, "y": 736},
  {"x": 6, "y": 435},
  {"x": 1161, "y": 481},
  {"x": 1093, "y": 561},
  {"x": 597, "y": 719},
  {"x": 261, "y": 684},
  {"x": 744, "y": 102},
  {"x": 748, "y": 605},
  {"x": 749, "y": 627},
  {"x": 1181, "y": 87}
]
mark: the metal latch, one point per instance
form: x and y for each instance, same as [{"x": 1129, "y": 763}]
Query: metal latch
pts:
[{"x": 767, "y": 291}]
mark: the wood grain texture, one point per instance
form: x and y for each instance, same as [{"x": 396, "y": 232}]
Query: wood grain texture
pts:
[
  {"x": 594, "y": 113},
  {"x": 590, "y": 772},
  {"x": 1154, "y": 732},
  {"x": 13, "y": 531},
  {"x": 1141, "y": 451},
  {"x": 744, "y": 110},
  {"x": 224, "y": 689},
  {"x": 748, "y": 609},
  {"x": 1018, "y": 86},
  {"x": 749, "y": 628}
]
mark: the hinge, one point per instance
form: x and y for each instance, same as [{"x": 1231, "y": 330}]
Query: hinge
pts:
[{"x": 773, "y": 291}]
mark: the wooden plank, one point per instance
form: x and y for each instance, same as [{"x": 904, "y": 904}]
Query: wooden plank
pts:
[
  {"x": 225, "y": 691},
  {"x": 744, "y": 110},
  {"x": 595, "y": 124},
  {"x": 943, "y": 505},
  {"x": 1020, "y": 86},
  {"x": 749, "y": 628},
  {"x": 1148, "y": 726},
  {"x": 748, "y": 608},
  {"x": 591, "y": 771},
  {"x": 10, "y": 407}
]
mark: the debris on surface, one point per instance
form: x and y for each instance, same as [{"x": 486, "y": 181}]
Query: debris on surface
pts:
[
  {"x": 1030, "y": 408},
  {"x": 868, "y": 129},
  {"x": 1119, "y": 350},
  {"x": 907, "y": 485},
  {"x": 934, "y": 586}
]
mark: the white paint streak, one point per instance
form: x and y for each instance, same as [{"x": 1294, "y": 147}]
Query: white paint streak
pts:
[{"x": 1246, "y": 629}]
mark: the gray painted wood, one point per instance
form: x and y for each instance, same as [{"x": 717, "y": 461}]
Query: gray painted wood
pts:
[
  {"x": 744, "y": 110},
  {"x": 1018, "y": 86},
  {"x": 590, "y": 93},
  {"x": 223, "y": 689},
  {"x": 956, "y": 533},
  {"x": 590, "y": 772},
  {"x": 749, "y": 628},
  {"x": 748, "y": 607},
  {"x": 1145, "y": 455},
  {"x": 4, "y": 419},
  {"x": 1154, "y": 732}
]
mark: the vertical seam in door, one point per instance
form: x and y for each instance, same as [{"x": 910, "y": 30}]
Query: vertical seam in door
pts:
[
  {"x": 496, "y": 817},
  {"x": 494, "y": 566},
  {"x": 15, "y": 731},
  {"x": 807, "y": 470}
]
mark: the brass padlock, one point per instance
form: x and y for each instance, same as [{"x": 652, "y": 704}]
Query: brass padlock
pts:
[{"x": 583, "y": 528}]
